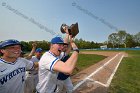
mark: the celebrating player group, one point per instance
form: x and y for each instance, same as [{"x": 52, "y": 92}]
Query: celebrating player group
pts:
[{"x": 50, "y": 70}]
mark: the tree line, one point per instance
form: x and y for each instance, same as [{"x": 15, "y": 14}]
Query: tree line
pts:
[
  {"x": 120, "y": 39},
  {"x": 45, "y": 45}
]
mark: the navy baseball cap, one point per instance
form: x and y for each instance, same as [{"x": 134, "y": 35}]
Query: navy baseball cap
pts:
[
  {"x": 57, "y": 40},
  {"x": 9, "y": 42},
  {"x": 38, "y": 50}
]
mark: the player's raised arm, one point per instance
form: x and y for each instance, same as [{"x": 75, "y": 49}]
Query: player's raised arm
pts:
[
  {"x": 34, "y": 45},
  {"x": 69, "y": 65}
]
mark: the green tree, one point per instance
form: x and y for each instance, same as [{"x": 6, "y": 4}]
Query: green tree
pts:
[
  {"x": 25, "y": 46},
  {"x": 113, "y": 39},
  {"x": 122, "y": 37},
  {"x": 129, "y": 41},
  {"x": 136, "y": 38}
]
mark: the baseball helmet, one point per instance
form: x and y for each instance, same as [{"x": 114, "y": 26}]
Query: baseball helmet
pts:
[
  {"x": 9, "y": 42},
  {"x": 58, "y": 40},
  {"x": 38, "y": 50}
]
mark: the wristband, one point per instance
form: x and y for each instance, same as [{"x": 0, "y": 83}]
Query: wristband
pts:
[{"x": 76, "y": 49}]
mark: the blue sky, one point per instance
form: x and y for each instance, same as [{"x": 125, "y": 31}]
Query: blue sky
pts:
[{"x": 27, "y": 20}]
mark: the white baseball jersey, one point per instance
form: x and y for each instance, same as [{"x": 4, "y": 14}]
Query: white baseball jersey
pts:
[
  {"x": 34, "y": 59},
  {"x": 12, "y": 75},
  {"x": 47, "y": 77}
]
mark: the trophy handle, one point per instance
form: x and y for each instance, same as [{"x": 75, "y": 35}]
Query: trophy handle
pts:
[{"x": 62, "y": 28}]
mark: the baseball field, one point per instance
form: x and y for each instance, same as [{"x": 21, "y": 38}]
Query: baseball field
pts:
[{"x": 107, "y": 72}]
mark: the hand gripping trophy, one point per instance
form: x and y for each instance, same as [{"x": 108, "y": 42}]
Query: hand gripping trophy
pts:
[{"x": 72, "y": 30}]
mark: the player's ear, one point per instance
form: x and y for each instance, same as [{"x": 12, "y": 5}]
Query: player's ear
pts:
[{"x": 2, "y": 51}]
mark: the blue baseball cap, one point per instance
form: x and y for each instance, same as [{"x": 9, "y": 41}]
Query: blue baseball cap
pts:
[
  {"x": 57, "y": 40},
  {"x": 38, "y": 50},
  {"x": 10, "y": 42}
]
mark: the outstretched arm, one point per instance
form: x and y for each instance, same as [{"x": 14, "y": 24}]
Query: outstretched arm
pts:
[{"x": 34, "y": 45}]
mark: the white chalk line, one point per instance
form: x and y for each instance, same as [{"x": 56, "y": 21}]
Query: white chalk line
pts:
[
  {"x": 109, "y": 80},
  {"x": 97, "y": 82},
  {"x": 111, "y": 77}
]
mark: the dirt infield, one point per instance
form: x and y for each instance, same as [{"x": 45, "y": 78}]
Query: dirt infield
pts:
[{"x": 97, "y": 78}]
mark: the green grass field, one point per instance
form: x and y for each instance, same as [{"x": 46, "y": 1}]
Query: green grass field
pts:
[
  {"x": 86, "y": 60},
  {"x": 127, "y": 78}
]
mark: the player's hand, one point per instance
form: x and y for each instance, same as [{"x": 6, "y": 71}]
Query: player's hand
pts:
[
  {"x": 73, "y": 45},
  {"x": 34, "y": 44}
]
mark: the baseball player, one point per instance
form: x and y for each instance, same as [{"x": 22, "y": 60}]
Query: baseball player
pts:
[
  {"x": 63, "y": 79},
  {"x": 32, "y": 76},
  {"x": 50, "y": 65},
  {"x": 13, "y": 67}
]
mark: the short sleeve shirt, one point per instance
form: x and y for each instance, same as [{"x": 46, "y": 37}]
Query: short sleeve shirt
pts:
[
  {"x": 12, "y": 75},
  {"x": 47, "y": 77}
]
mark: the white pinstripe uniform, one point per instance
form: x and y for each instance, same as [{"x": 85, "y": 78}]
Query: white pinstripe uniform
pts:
[{"x": 12, "y": 75}]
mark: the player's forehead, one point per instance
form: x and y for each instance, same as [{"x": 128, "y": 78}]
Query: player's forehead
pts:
[{"x": 58, "y": 45}]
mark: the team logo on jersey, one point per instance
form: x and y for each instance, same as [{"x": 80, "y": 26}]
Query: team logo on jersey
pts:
[{"x": 11, "y": 75}]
